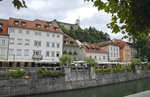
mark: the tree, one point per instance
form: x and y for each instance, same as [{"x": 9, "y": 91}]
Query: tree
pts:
[
  {"x": 65, "y": 60},
  {"x": 130, "y": 17},
  {"x": 142, "y": 45},
  {"x": 90, "y": 60},
  {"x": 18, "y": 4}
]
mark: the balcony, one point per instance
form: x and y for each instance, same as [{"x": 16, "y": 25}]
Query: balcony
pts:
[{"x": 37, "y": 57}]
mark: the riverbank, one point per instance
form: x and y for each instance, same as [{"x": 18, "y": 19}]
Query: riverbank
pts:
[{"x": 75, "y": 78}]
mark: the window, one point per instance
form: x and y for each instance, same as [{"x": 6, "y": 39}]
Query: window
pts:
[
  {"x": 3, "y": 41},
  {"x": 104, "y": 57},
  {"x": 95, "y": 57},
  {"x": 48, "y": 34},
  {"x": 18, "y": 52},
  {"x": 53, "y": 44},
  {"x": 72, "y": 43},
  {"x": 47, "y": 27},
  {"x": 26, "y": 52},
  {"x": 58, "y": 45},
  {"x": 57, "y": 29},
  {"x": 2, "y": 52},
  {"x": 53, "y": 35},
  {"x": 49, "y": 24},
  {"x": 11, "y": 51},
  {"x": 16, "y": 22},
  {"x": 47, "y": 44},
  {"x": 66, "y": 42},
  {"x": 1, "y": 29},
  {"x": 37, "y": 43},
  {"x": 12, "y": 30},
  {"x": 94, "y": 49},
  {"x": 114, "y": 55},
  {"x": 114, "y": 49},
  {"x": 89, "y": 49},
  {"x": 38, "y": 33},
  {"x": 27, "y": 42},
  {"x": 111, "y": 48},
  {"x": 11, "y": 40},
  {"x": 52, "y": 54},
  {"x": 20, "y": 31},
  {"x": 37, "y": 52},
  {"x": 1, "y": 25},
  {"x": 111, "y": 55},
  {"x": 98, "y": 49},
  {"x": 27, "y": 32},
  {"x": 23, "y": 23},
  {"x": 19, "y": 41},
  {"x": 38, "y": 26},
  {"x": 58, "y": 36},
  {"x": 47, "y": 53},
  {"x": 57, "y": 54}
]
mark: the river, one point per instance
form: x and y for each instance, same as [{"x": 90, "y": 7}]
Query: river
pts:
[{"x": 116, "y": 90}]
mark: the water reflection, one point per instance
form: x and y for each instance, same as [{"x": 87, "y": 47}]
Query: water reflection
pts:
[{"x": 117, "y": 90}]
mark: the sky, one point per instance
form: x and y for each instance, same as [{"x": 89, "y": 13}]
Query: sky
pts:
[{"x": 62, "y": 10}]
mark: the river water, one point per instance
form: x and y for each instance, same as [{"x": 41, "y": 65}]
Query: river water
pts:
[{"x": 116, "y": 90}]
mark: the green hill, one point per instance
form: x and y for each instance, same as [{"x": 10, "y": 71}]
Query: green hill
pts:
[{"x": 91, "y": 34}]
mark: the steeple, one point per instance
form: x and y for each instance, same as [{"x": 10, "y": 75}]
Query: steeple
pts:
[{"x": 78, "y": 21}]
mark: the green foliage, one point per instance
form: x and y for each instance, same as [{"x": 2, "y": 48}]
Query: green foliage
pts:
[
  {"x": 128, "y": 68},
  {"x": 136, "y": 61},
  {"x": 90, "y": 60},
  {"x": 103, "y": 70},
  {"x": 142, "y": 45},
  {"x": 47, "y": 73},
  {"x": 65, "y": 60},
  {"x": 130, "y": 17},
  {"x": 118, "y": 68},
  {"x": 19, "y": 4},
  {"x": 13, "y": 73},
  {"x": 90, "y": 34}
]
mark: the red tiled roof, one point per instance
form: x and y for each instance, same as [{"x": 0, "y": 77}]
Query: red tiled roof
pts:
[
  {"x": 33, "y": 25},
  {"x": 4, "y": 26},
  {"x": 101, "y": 44},
  {"x": 120, "y": 43},
  {"x": 88, "y": 46},
  {"x": 71, "y": 41}
]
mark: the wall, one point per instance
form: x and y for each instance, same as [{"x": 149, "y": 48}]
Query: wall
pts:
[
  {"x": 75, "y": 78},
  {"x": 114, "y": 53},
  {"x": 32, "y": 37}
]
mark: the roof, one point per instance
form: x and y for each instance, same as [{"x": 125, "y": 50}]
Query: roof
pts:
[
  {"x": 92, "y": 48},
  {"x": 71, "y": 41},
  {"x": 4, "y": 27},
  {"x": 102, "y": 44},
  {"x": 33, "y": 25},
  {"x": 120, "y": 43}
]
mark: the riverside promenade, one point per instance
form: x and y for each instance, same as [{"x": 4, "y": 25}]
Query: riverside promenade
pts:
[{"x": 141, "y": 94}]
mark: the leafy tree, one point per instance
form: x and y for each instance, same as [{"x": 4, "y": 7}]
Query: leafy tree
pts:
[
  {"x": 90, "y": 34},
  {"x": 65, "y": 60},
  {"x": 90, "y": 60},
  {"x": 128, "y": 16},
  {"x": 18, "y": 3},
  {"x": 142, "y": 45}
]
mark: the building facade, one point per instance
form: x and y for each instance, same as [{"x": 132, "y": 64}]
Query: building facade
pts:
[
  {"x": 70, "y": 48},
  {"x": 125, "y": 52},
  {"x": 3, "y": 39},
  {"x": 91, "y": 50},
  {"x": 112, "y": 49},
  {"x": 36, "y": 40}
]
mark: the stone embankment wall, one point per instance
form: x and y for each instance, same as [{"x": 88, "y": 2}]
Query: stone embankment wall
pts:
[{"x": 75, "y": 78}]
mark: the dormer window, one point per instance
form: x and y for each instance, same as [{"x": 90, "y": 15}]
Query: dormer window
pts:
[
  {"x": 99, "y": 50},
  {"x": 89, "y": 49},
  {"x": 49, "y": 23},
  {"x": 23, "y": 23},
  {"x": 72, "y": 43},
  {"x": 16, "y": 22},
  {"x": 38, "y": 26},
  {"x": 66, "y": 42},
  {"x": 1, "y": 25},
  {"x": 94, "y": 49},
  {"x": 47, "y": 27},
  {"x": 56, "y": 28},
  {"x": 66, "y": 38}
]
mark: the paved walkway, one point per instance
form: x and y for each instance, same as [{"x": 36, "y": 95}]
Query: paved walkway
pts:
[{"x": 141, "y": 94}]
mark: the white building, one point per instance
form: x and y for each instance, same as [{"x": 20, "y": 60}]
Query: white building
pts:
[
  {"x": 91, "y": 50},
  {"x": 112, "y": 49},
  {"x": 34, "y": 40},
  {"x": 3, "y": 39}
]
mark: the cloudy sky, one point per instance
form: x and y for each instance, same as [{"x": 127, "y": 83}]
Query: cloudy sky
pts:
[{"x": 62, "y": 10}]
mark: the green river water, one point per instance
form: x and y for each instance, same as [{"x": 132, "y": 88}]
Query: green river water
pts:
[{"x": 116, "y": 90}]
